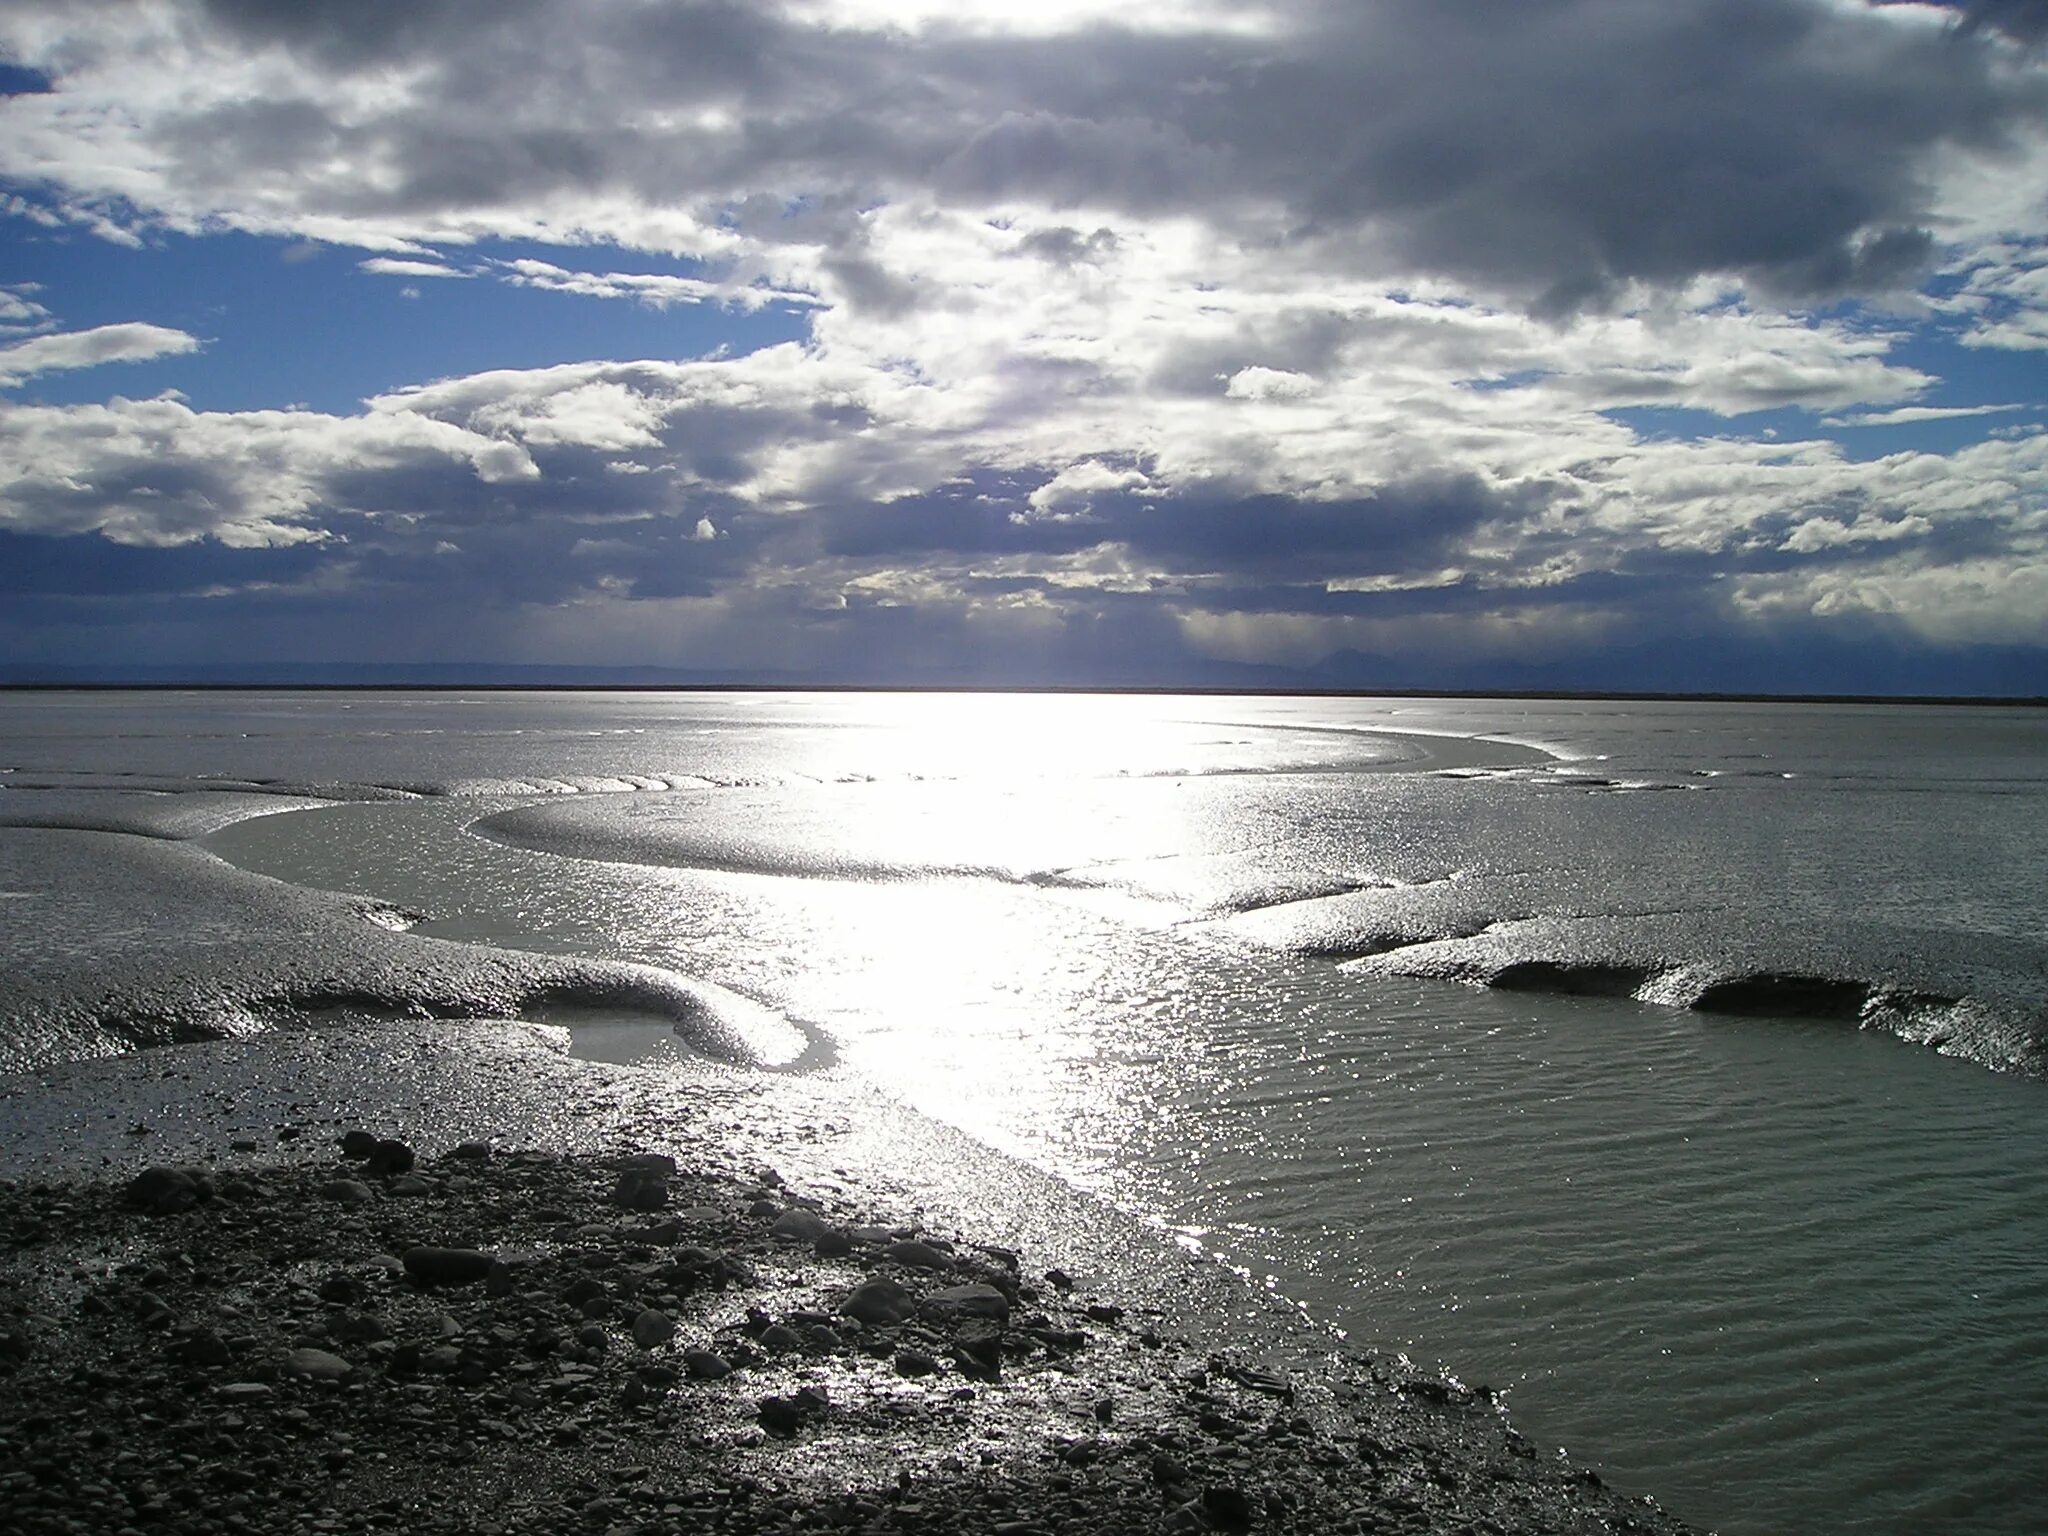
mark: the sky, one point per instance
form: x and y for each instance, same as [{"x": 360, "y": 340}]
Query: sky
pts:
[{"x": 1694, "y": 345}]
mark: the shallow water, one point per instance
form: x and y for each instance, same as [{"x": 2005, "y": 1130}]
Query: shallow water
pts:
[{"x": 1784, "y": 1273}]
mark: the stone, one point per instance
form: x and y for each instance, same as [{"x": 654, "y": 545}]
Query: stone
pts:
[
  {"x": 347, "y": 1192},
  {"x": 201, "y": 1347},
  {"x": 916, "y": 1255},
  {"x": 652, "y": 1329},
  {"x": 915, "y": 1362},
  {"x": 978, "y": 1350},
  {"x": 410, "y": 1185},
  {"x": 880, "y": 1303},
  {"x": 472, "y": 1152},
  {"x": 800, "y": 1225},
  {"x": 388, "y": 1158},
  {"x": 343, "y": 1289},
  {"x": 781, "y": 1338},
  {"x": 975, "y": 1300},
  {"x": 166, "y": 1191},
  {"x": 243, "y": 1392},
  {"x": 641, "y": 1189},
  {"x": 358, "y": 1143},
  {"x": 1227, "y": 1506},
  {"x": 786, "y": 1415},
  {"x": 705, "y": 1365},
  {"x": 316, "y": 1365},
  {"x": 446, "y": 1266}
]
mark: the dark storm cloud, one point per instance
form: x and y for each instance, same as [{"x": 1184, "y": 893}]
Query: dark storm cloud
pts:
[
  {"x": 2024, "y": 19},
  {"x": 1547, "y": 150},
  {"x": 1195, "y": 530},
  {"x": 81, "y": 566},
  {"x": 1400, "y": 527},
  {"x": 1065, "y": 246}
]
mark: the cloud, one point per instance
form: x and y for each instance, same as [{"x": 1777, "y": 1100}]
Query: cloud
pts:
[
  {"x": 20, "y": 312},
  {"x": 1553, "y": 155},
  {"x": 1261, "y": 332},
  {"x": 391, "y": 266},
  {"x": 158, "y": 473},
  {"x": 133, "y": 342},
  {"x": 1072, "y": 491},
  {"x": 657, "y": 290},
  {"x": 1909, "y": 415},
  {"x": 2024, "y": 19}
]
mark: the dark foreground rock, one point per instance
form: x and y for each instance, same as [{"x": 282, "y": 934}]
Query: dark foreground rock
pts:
[{"x": 523, "y": 1342}]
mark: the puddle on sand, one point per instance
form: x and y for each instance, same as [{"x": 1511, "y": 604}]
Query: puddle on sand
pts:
[{"x": 621, "y": 1036}]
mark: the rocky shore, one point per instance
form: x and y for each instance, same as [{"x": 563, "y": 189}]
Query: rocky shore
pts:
[{"x": 374, "y": 1336}]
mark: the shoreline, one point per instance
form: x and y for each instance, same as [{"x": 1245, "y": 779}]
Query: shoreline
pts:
[
  {"x": 1134, "y": 690},
  {"x": 1041, "y": 1367}
]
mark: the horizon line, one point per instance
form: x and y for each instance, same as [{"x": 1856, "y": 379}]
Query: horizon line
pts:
[{"x": 1161, "y": 690}]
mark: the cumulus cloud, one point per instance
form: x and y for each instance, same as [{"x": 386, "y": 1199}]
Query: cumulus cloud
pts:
[
  {"x": 20, "y": 312},
  {"x": 1553, "y": 153},
  {"x": 157, "y": 472},
  {"x": 133, "y": 342},
  {"x": 1259, "y": 330}
]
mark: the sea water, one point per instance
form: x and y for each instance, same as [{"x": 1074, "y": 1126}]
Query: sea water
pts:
[{"x": 1673, "y": 1069}]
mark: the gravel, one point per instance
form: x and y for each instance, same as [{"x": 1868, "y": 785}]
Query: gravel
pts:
[{"x": 533, "y": 1340}]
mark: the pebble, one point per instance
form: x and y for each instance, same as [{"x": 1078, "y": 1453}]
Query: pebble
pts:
[
  {"x": 166, "y": 1191},
  {"x": 652, "y": 1329},
  {"x": 641, "y": 1189},
  {"x": 916, "y": 1255},
  {"x": 389, "y": 1157},
  {"x": 316, "y": 1365},
  {"x": 1227, "y": 1506},
  {"x": 347, "y": 1192},
  {"x": 880, "y": 1302},
  {"x": 975, "y": 1300},
  {"x": 706, "y": 1365},
  {"x": 446, "y": 1266},
  {"x": 800, "y": 1225}
]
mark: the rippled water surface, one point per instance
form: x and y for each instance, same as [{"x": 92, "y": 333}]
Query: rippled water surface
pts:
[{"x": 1204, "y": 956}]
